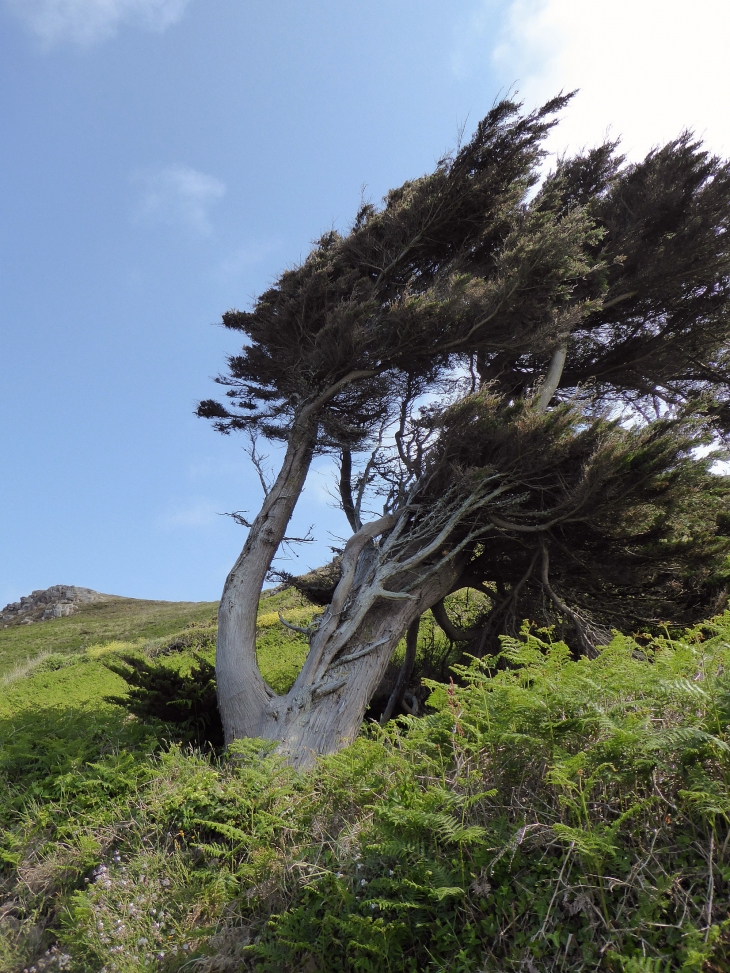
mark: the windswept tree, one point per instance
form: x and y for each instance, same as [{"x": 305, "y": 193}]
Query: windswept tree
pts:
[{"x": 519, "y": 376}]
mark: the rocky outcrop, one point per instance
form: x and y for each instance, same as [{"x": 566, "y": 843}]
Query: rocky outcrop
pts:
[{"x": 55, "y": 602}]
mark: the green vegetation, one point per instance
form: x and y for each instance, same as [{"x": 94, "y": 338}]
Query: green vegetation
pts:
[
  {"x": 544, "y": 814},
  {"x": 120, "y": 619}
]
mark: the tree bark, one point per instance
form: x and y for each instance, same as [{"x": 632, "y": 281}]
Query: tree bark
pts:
[
  {"x": 552, "y": 379},
  {"x": 243, "y": 696},
  {"x": 324, "y": 709},
  {"x": 406, "y": 671},
  {"x": 384, "y": 587}
]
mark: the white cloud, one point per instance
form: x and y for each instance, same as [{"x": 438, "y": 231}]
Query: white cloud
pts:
[
  {"x": 178, "y": 196},
  {"x": 647, "y": 69},
  {"x": 86, "y": 22}
]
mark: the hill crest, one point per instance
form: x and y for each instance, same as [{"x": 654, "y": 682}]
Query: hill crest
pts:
[{"x": 58, "y": 601}]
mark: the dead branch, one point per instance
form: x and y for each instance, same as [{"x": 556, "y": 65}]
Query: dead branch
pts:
[
  {"x": 237, "y": 516},
  {"x": 586, "y": 643},
  {"x": 297, "y": 628},
  {"x": 258, "y": 462}
]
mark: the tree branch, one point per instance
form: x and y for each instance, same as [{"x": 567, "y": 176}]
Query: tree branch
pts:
[
  {"x": 311, "y": 408},
  {"x": 258, "y": 462},
  {"x": 552, "y": 379},
  {"x": 297, "y": 628},
  {"x": 585, "y": 642},
  {"x": 511, "y": 599},
  {"x": 348, "y": 504},
  {"x": 450, "y": 630},
  {"x": 353, "y": 549},
  {"x": 406, "y": 670}
]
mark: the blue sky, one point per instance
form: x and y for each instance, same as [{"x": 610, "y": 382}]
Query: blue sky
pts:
[{"x": 162, "y": 160}]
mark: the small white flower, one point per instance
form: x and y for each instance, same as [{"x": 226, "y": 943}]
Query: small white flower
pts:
[{"x": 363, "y": 883}]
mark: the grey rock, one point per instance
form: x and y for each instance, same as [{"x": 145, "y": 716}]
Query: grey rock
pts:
[{"x": 58, "y": 601}]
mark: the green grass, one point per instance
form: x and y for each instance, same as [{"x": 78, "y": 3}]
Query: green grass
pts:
[
  {"x": 546, "y": 815},
  {"x": 119, "y": 619}
]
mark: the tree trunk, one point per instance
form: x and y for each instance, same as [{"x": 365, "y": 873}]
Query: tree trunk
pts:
[
  {"x": 243, "y": 696},
  {"x": 383, "y": 588},
  {"x": 324, "y": 709}
]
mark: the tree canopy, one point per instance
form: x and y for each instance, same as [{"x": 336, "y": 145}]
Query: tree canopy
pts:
[{"x": 521, "y": 377}]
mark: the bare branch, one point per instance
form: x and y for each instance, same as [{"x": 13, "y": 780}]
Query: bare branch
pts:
[
  {"x": 307, "y": 539},
  {"x": 321, "y": 689},
  {"x": 311, "y": 408},
  {"x": 618, "y": 300},
  {"x": 452, "y": 631},
  {"x": 296, "y": 628},
  {"x": 345, "y": 659},
  {"x": 366, "y": 477},
  {"x": 577, "y": 621},
  {"x": 258, "y": 462},
  {"x": 238, "y": 517},
  {"x": 405, "y": 410},
  {"x": 507, "y": 605},
  {"x": 379, "y": 592}
]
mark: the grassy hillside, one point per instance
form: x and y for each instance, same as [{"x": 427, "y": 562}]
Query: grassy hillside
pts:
[
  {"x": 119, "y": 619},
  {"x": 546, "y": 815}
]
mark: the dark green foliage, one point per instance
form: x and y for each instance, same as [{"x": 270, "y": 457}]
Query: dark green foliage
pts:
[
  {"x": 663, "y": 325},
  {"x": 183, "y": 700},
  {"x": 631, "y": 262},
  {"x": 392, "y": 297},
  {"x": 626, "y": 526},
  {"x": 606, "y": 292},
  {"x": 592, "y": 526}
]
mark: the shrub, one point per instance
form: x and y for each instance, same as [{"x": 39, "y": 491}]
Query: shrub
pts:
[{"x": 183, "y": 700}]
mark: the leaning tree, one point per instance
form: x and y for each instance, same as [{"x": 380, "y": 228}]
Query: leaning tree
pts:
[{"x": 518, "y": 374}]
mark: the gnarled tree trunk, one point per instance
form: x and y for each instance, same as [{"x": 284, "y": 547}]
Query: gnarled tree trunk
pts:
[
  {"x": 243, "y": 696},
  {"x": 348, "y": 658}
]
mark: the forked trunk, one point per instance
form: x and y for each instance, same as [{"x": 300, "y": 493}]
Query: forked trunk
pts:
[
  {"x": 324, "y": 709},
  {"x": 380, "y": 594}
]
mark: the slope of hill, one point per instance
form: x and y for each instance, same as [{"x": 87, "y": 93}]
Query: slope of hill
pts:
[
  {"x": 545, "y": 814},
  {"x": 98, "y": 622}
]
